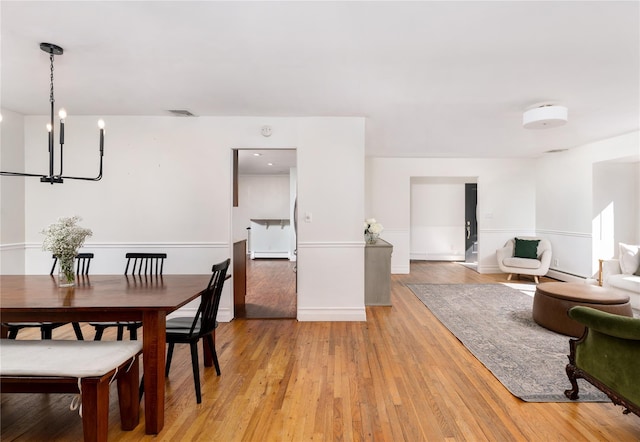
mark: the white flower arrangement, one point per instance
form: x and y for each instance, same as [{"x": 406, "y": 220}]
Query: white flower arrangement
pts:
[
  {"x": 63, "y": 239},
  {"x": 372, "y": 226}
]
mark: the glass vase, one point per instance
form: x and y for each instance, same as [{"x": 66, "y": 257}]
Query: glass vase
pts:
[
  {"x": 66, "y": 272},
  {"x": 371, "y": 238}
]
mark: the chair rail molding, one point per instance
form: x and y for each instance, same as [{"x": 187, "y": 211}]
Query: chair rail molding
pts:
[
  {"x": 564, "y": 233},
  {"x": 14, "y": 246},
  {"x": 332, "y": 244},
  {"x": 143, "y": 245}
]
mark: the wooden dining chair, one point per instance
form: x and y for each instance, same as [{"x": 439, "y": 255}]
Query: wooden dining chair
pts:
[
  {"x": 189, "y": 330},
  {"x": 138, "y": 264},
  {"x": 83, "y": 261}
]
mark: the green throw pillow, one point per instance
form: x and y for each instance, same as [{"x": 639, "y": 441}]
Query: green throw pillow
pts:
[{"x": 526, "y": 248}]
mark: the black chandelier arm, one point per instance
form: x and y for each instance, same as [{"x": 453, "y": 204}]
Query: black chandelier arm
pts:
[
  {"x": 58, "y": 179},
  {"x": 97, "y": 178},
  {"x": 21, "y": 174}
]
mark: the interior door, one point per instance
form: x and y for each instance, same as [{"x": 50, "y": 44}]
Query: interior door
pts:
[{"x": 471, "y": 223}]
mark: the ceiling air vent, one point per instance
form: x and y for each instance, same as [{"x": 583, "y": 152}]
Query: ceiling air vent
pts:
[
  {"x": 181, "y": 113},
  {"x": 556, "y": 150}
]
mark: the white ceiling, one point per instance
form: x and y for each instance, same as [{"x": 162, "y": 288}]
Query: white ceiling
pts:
[
  {"x": 432, "y": 79},
  {"x": 266, "y": 161}
]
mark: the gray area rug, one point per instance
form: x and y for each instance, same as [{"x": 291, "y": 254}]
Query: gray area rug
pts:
[{"x": 494, "y": 322}]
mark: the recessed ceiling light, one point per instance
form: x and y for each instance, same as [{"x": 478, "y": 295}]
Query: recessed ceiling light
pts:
[
  {"x": 257, "y": 154},
  {"x": 269, "y": 164}
]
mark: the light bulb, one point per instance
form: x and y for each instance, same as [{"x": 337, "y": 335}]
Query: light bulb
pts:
[
  {"x": 101, "y": 124},
  {"x": 0, "y": 117},
  {"x": 49, "y": 127},
  {"x": 62, "y": 114}
]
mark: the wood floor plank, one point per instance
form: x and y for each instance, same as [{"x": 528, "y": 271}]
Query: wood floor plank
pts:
[{"x": 401, "y": 375}]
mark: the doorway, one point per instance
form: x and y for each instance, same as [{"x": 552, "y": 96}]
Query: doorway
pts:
[
  {"x": 438, "y": 220},
  {"x": 264, "y": 232},
  {"x": 471, "y": 223}
]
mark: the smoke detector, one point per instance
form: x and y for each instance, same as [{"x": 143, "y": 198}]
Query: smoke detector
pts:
[{"x": 545, "y": 116}]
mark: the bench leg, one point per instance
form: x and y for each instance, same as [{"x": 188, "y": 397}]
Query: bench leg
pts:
[
  {"x": 128, "y": 397},
  {"x": 95, "y": 409}
]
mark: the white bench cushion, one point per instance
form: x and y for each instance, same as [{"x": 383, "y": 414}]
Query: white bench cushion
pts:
[
  {"x": 77, "y": 359},
  {"x": 624, "y": 282}
]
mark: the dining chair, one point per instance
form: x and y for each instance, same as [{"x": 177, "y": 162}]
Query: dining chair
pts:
[
  {"x": 189, "y": 330},
  {"x": 83, "y": 261},
  {"x": 138, "y": 264},
  {"x": 153, "y": 263}
]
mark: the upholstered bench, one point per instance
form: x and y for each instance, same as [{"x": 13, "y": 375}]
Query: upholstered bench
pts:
[
  {"x": 84, "y": 367},
  {"x": 553, "y": 300}
]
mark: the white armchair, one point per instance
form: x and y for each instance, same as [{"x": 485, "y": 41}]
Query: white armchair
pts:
[{"x": 538, "y": 266}]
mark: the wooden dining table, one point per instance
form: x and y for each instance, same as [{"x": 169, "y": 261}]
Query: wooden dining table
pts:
[{"x": 37, "y": 298}]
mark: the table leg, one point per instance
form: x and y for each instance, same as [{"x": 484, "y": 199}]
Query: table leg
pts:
[
  {"x": 153, "y": 351},
  {"x": 4, "y": 331}
]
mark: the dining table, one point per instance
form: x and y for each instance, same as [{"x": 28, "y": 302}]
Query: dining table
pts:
[{"x": 149, "y": 299}]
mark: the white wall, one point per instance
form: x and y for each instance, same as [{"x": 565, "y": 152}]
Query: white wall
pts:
[
  {"x": 260, "y": 197},
  {"x": 12, "y": 194},
  {"x": 616, "y": 202},
  {"x": 506, "y": 201},
  {"x": 167, "y": 186},
  {"x": 565, "y": 202}
]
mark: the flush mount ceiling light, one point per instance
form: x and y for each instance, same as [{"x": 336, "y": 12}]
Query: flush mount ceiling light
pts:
[
  {"x": 545, "y": 116},
  {"x": 52, "y": 178}
]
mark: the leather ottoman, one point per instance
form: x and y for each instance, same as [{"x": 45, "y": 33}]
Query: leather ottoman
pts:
[{"x": 553, "y": 300}]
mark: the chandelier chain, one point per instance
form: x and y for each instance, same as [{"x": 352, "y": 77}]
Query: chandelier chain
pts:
[{"x": 51, "y": 93}]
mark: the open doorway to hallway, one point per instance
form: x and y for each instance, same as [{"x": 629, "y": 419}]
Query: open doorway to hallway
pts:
[
  {"x": 443, "y": 219},
  {"x": 271, "y": 289},
  {"x": 264, "y": 231}
]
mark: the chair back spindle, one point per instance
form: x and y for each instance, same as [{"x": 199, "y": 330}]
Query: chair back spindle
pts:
[
  {"x": 83, "y": 261},
  {"x": 145, "y": 263}
]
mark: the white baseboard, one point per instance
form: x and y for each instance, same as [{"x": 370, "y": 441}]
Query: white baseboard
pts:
[
  {"x": 332, "y": 314},
  {"x": 257, "y": 255},
  {"x": 488, "y": 269},
  {"x": 224, "y": 315},
  {"x": 566, "y": 277},
  {"x": 437, "y": 256},
  {"x": 400, "y": 270}
]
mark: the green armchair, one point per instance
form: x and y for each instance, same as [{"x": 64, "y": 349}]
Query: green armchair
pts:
[{"x": 607, "y": 356}]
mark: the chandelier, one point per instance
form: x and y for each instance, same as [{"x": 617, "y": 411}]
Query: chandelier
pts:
[{"x": 52, "y": 177}]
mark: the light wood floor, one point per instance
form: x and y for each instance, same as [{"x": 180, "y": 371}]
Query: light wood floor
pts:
[
  {"x": 271, "y": 289},
  {"x": 400, "y": 376}
]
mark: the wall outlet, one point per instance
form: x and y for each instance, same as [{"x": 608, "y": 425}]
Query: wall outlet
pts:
[{"x": 556, "y": 262}]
